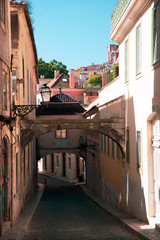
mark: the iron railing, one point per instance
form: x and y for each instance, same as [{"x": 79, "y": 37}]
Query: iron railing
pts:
[{"x": 118, "y": 12}]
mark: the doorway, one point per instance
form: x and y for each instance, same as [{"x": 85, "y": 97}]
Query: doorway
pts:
[
  {"x": 64, "y": 164},
  {"x": 5, "y": 182}
]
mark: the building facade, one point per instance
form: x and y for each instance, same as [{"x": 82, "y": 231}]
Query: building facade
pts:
[
  {"x": 24, "y": 80},
  {"x": 5, "y": 117},
  {"x": 59, "y": 151},
  {"x": 133, "y": 181}
]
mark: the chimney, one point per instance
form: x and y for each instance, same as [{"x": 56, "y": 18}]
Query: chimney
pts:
[
  {"x": 72, "y": 78},
  {"x": 104, "y": 80},
  {"x": 56, "y": 73}
]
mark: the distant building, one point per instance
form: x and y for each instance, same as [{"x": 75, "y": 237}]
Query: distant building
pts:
[
  {"x": 63, "y": 156},
  {"x": 70, "y": 86}
]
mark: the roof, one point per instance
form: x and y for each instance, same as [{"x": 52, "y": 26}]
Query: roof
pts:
[
  {"x": 24, "y": 5},
  {"x": 61, "y": 108},
  {"x": 61, "y": 97},
  {"x": 61, "y": 104},
  {"x": 56, "y": 80}
]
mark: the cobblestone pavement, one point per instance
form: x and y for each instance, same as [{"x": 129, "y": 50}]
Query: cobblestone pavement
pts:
[{"x": 66, "y": 213}]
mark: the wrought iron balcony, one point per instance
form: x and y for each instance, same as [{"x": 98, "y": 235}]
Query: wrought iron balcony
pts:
[{"x": 118, "y": 12}]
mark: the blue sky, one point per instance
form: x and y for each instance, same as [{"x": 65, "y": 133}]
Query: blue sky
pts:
[{"x": 75, "y": 32}]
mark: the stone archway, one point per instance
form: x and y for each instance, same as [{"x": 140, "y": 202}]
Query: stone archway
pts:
[{"x": 113, "y": 128}]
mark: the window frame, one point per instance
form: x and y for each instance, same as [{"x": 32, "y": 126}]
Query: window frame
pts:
[
  {"x": 108, "y": 146},
  {"x": 126, "y": 61},
  {"x": 5, "y": 89},
  {"x": 155, "y": 29},
  {"x": 2, "y": 10},
  {"x": 138, "y": 49},
  {"x": 138, "y": 133},
  {"x": 118, "y": 152},
  {"x": 60, "y": 134}
]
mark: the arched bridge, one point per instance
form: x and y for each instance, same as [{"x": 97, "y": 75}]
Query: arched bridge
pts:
[{"x": 113, "y": 128}]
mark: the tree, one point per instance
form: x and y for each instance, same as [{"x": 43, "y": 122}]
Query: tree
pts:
[
  {"x": 94, "y": 81},
  {"x": 47, "y": 69}
]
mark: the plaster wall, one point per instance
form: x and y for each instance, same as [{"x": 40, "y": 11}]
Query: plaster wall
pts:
[
  {"x": 23, "y": 160},
  {"x": 141, "y": 104},
  {"x": 48, "y": 143},
  {"x": 5, "y": 53}
]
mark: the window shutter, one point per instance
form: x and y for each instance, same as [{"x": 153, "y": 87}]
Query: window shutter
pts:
[{"x": 138, "y": 149}]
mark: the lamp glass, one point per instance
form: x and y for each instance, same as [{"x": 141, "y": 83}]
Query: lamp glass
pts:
[{"x": 45, "y": 93}]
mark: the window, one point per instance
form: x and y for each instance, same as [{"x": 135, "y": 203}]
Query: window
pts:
[
  {"x": 69, "y": 162},
  {"x": 155, "y": 34},
  {"x": 102, "y": 142},
  {"x": 138, "y": 49},
  {"x": 114, "y": 57},
  {"x": 45, "y": 164},
  {"x": 118, "y": 152},
  {"x": 108, "y": 146},
  {"x": 17, "y": 172},
  {"x": 64, "y": 80},
  {"x": 52, "y": 163},
  {"x": 2, "y": 10},
  {"x": 138, "y": 149},
  {"x": 24, "y": 166},
  {"x": 57, "y": 161},
  {"x": 23, "y": 77},
  {"x": 61, "y": 133},
  {"x": 127, "y": 146},
  {"x": 28, "y": 86},
  {"x": 4, "y": 76},
  {"x": 126, "y": 61},
  {"x": 112, "y": 149},
  {"x": 13, "y": 85}
]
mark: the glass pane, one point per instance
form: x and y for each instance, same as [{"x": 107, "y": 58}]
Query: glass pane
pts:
[
  {"x": 63, "y": 133},
  {"x": 58, "y": 134}
]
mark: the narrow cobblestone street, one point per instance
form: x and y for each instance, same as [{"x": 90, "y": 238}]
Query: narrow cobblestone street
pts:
[{"x": 66, "y": 213}]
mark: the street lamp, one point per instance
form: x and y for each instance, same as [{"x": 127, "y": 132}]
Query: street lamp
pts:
[
  {"x": 45, "y": 93},
  {"x": 22, "y": 110}
]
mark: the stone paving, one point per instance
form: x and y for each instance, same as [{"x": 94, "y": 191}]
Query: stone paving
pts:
[
  {"x": 62, "y": 221},
  {"x": 66, "y": 213}
]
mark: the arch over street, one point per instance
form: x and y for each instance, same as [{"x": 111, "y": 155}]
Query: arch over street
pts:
[{"x": 113, "y": 128}]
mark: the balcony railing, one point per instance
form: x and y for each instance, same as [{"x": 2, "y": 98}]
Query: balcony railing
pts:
[{"x": 117, "y": 13}]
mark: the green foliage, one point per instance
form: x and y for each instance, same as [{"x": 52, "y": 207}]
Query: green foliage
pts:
[
  {"x": 109, "y": 77},
  {"x": 115, "y": 71},
  {"x": 47, "y": 69},
  {"x": 93, "y": 81}
]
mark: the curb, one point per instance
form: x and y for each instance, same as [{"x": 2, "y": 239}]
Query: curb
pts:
[
  {"x": 139, "y": 228},
  {"x": 20, "y": 227}
]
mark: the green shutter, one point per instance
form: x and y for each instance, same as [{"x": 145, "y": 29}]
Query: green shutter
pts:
[
  {"x": 155, "y": 34},
  {"x": 138, "y": 149}
]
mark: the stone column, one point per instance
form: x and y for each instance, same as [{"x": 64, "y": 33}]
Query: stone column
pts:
[{"x": 49, "y": 163}]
